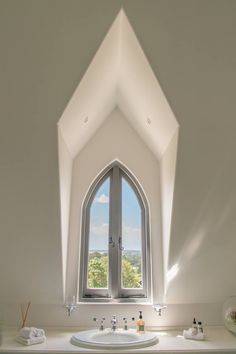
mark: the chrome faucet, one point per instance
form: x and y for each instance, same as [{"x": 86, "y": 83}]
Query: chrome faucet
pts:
[
  {"x": 125, "y": 319},
  {"x": 71, "y": 306},
  {"x": 113, "y": 323},
  {"x": 125, "y": 324},
  {"x": 101, "y": 327},
  {"x": 159, "y": 307}
]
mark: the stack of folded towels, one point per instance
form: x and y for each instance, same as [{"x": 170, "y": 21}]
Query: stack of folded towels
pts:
[{"x": 31, "y": 335}]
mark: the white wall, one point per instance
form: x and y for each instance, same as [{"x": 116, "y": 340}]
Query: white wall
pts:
[
  {"x": 99, "y": 152},
  {"x": 115, "y": 140},
  {"x": 30, "y": 245},
  {"x": 55, "y": 315}
]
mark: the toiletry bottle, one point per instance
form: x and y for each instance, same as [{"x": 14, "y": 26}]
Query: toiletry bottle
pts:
[
  {"x": 194, "y": 327},
  {"x": 140, "y": 323},
  {"x": 199, "y": 327}
]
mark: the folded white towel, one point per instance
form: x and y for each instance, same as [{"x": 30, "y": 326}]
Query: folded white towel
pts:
[
  {"x": 188, "y": 334},
  {"x": 30, "y": 341},
  {"x": 31, "y": 332}
]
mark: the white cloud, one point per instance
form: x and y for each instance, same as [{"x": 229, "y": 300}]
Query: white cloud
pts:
[
  {"x": 130, "y": 231},
  {"x": 102, "y": 199},
  {"x": 99, "y": 237},
  {"x": 131, "y": 237},
  {"x": 99, "y": 230}
]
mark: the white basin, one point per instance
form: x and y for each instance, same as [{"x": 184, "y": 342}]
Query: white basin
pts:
[{"x": 108, "y": 339}]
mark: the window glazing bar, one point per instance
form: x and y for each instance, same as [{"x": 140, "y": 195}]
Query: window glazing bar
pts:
[{"x": 114, "y": 232}]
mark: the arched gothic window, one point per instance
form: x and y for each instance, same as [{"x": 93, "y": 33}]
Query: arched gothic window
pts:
[{"x": 115, "y": 260}]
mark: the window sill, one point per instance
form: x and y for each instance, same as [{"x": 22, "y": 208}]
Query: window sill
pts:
[{"x": 98, "y": 301}]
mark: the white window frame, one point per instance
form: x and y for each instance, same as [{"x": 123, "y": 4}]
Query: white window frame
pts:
[{"x": 115, "y": 292}]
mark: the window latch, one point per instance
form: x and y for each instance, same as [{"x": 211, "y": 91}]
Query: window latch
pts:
[
  {"x": 111, "y": 242},
  {"x": 120, "y": 244}
]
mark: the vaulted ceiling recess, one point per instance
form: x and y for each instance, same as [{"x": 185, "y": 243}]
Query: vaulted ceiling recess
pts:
[{"x": 119, "y": 75}]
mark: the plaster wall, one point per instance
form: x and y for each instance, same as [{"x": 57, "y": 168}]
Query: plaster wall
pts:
[{"x": 44, "y": 55}]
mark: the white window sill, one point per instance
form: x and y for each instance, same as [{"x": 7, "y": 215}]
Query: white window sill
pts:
[{"x": 115, "y": 302}]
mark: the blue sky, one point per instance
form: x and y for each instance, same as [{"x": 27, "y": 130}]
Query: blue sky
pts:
[{"x": 99, "y": 218}]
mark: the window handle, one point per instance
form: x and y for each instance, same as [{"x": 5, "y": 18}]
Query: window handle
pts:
[
  {"x": 111, "y": 242},
  {"x": 120, "y": 244}
]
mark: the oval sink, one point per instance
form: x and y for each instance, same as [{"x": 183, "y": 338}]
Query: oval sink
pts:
[{"x": 109, "y": 339}]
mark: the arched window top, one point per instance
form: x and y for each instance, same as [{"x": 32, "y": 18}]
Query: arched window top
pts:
[
  {"x": 126, "y": 173},
  {"x": 115, "y": 239}
]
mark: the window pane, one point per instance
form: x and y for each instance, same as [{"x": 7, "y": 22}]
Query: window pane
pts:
[
  {"x": 131, "y": 238},
  {"x": 98, "y": 238}
]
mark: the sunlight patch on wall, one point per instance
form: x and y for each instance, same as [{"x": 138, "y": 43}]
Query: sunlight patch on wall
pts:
[{"x": 172, "y": 272}]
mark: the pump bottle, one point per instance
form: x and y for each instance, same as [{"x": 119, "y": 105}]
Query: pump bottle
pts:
[{"x": 140, "y": 324}]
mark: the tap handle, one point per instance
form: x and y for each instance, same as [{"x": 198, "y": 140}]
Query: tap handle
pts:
[
  {"x": 125, "y": 323},
  {"x": 113, "y": 323},
  {"x": 159, "y": 307},
  {"x": 95, "y": 319},
  {"x": 102, "y": 323},
  {"x": 71, "y": 306}
]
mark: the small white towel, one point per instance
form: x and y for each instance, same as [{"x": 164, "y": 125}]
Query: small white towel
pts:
[
  {"x": 30, "y": 341},
  {"x": 31, "y": 332},
  {"x": 188, "y": 334}
]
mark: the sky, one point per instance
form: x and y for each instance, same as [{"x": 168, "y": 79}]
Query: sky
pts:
[{"x": 99, "y": 218}]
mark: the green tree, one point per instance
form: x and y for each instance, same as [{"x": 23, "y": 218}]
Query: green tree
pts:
[
  {"x": 131, "y": 278},
  {"x": 135, "y": 260},
  {"x": 97, "y": 272}
]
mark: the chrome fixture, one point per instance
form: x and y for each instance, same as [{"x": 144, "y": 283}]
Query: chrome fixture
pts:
[
  {"x": 125, "y": 323},
  {"x": 71, "y": 306},
  {"x": 101, "y": 327},
  {"x": 111, "y": 242},
  {"x": 125, "y": 319},
  {"x": 113, "y": 323},
  {"x": 159, "y": 307},
  {"x": 120, "y": 244}
]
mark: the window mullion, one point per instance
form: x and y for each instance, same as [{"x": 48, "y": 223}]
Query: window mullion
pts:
[{"x": 115, "y": 230}]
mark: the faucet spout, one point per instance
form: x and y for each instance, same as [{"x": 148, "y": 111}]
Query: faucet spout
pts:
[
  {"x": 113, "y": 323},
  {"x": 71, "y": 306}
]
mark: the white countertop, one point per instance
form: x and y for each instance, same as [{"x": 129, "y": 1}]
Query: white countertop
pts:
[{"x": 218, "y": 340}]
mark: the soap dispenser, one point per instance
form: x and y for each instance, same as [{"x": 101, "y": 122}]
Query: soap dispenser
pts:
[
  {"x": 140, "y": 323},
  {"x": 194, "y": 327}
]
